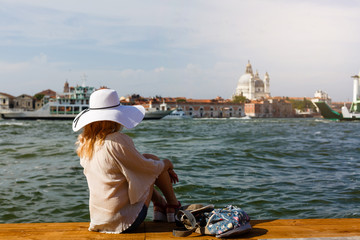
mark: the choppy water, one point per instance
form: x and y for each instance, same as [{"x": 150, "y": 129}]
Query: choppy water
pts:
[{"x": 272, "y": 168}]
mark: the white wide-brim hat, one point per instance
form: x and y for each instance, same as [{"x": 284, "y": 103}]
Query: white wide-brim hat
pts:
[{"x": 105, "y": 106}]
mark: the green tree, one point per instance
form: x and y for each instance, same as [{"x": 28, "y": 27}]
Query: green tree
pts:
[
  {"x": 238, "y": 99},
  {"x": 181, "y": 100},
  {"x": 39, "y": 96},
  {"x": 302, "y": 104}
]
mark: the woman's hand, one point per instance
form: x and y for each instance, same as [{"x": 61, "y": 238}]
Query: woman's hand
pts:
[
  {"x": 173, "y": 176},
  {"x": 170, "y": 168},
  {"x": 168, "y": 165}
]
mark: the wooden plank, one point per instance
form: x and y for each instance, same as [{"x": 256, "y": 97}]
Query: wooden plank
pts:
[
  {"x": 306, "y": 228},
  {"x": 54, "y": 231},
  {"x": 292, "y": 228},
  {"x": 262, "y": 229}
]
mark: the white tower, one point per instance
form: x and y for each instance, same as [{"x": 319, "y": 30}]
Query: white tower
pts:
[
  {"x": 356, "y": 88},
  {"x": 355, "y": 106}
]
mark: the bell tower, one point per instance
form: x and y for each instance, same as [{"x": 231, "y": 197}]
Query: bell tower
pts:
[
  {"x": 249, "y": 68},
  {"x": 66, "y": 87}
]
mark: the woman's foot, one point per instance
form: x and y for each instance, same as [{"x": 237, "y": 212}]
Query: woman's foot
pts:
[
  {"x": 159, "y": 212},
  {"x": 171, "y": 211}
]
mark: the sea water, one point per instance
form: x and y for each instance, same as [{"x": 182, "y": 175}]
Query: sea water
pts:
[{"x": 272, "y": 168}]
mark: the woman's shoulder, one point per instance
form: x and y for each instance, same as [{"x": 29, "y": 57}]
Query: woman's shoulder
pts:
[
  {"x": 119, "y": 142},
  {"x": 119, "y": 138}
]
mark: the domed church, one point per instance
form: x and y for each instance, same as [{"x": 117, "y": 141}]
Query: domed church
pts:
[{"x": 251, "y": 86}]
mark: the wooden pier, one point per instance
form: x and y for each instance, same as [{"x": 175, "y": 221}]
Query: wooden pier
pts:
[{"x": 333, "y": 229}]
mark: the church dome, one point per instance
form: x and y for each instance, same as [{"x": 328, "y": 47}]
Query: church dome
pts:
[
  {"x": 259, "y": 83},
  {"x": 251, "y": 86},
  {"x": 245, "y": 79}
]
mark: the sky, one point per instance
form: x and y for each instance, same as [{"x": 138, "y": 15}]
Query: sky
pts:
[{"x": 171, "y": 48}]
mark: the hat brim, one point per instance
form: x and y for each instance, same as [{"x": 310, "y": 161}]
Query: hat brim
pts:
[{"x": 128, "y": 116}]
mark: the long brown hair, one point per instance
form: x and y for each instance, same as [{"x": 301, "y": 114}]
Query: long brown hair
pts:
[{"x": 94, "y": 133}]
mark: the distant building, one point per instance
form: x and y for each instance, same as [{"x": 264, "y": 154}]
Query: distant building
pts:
[
  {"x": 47, "y": 92},
  {"x": 201, "y": 108},
  {"x": 24, "y": 102},
  {"x": 6, "y": 101},
  {"x": 218, "y": 107},
  {"x": 43, "y": 97},
  {"x": 251, "y": 86},
  {"x": 66, "y": 87},
  {"x": 258, "y": 109},
  {"x": 270, "y": 108},
  {"x": 321, "y": 96},
  {"x": 75, "y": 95},
  {"x": 208, "y": 109}
]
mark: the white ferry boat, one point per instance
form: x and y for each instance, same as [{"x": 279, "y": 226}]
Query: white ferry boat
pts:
[
  {"x": 177, "y": 114},
  {"x": 66, "y": 106},
  {"x": 246, "y": 117}
]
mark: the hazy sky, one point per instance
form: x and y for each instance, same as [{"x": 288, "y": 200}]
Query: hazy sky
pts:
[{"x": 191, "y": 48}]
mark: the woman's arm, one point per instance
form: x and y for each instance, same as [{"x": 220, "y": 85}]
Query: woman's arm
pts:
[
  {"x": 151, "y": 156},
  {"x": 168, "y": 166}
]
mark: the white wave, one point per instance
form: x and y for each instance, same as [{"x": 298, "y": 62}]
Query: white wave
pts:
[{"x": 13, "y": 123}]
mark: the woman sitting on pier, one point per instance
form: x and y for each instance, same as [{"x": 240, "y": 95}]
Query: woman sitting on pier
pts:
[{"x": 120, "y": 179}]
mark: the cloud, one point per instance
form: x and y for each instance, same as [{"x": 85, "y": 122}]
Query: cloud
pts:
[
  {"x": 12, "y": 67},
  {"x": 30, "y": 76},
  {"x": 159, "y": 69}
]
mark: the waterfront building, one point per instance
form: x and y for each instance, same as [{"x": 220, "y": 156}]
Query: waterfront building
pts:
[
  {"x": 269, "y": 108},
  {"x": 201, "y": 108},
  {"x": 6, "y": 101},
  {"x": 219, "y": 107},
  {"x": 281, "y": 108},
  {"x": 251, "y": 86},
  {"x": 258, "y": 109},
  {"x": 209, "y": 109},
  {"x": 66, "y": 87},
  {"x": 321, "y": 96},
  {"x": 43, "y": 97},
  {"x": 24, "y": 102},
  {"x": 75, "y": 95}
]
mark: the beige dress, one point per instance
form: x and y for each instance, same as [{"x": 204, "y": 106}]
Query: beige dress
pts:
[{"x": 119, "y": 180}]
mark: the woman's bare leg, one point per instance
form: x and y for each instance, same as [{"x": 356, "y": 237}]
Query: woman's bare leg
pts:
[
  {"x": 157, "y": 198},
  {"x": 163, "y": 182}
]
